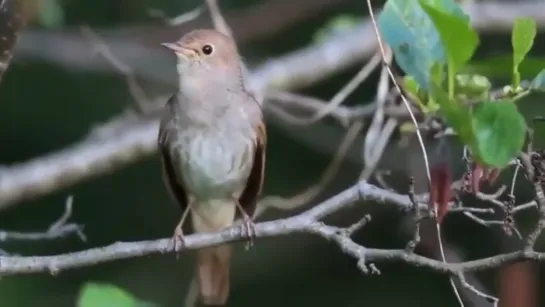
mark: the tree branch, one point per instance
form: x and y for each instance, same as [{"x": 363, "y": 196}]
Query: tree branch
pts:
[
  {"x": 11, "y": 23},
  {"x": 306, "y": 222},
  {"x": 59, "y": 229}
]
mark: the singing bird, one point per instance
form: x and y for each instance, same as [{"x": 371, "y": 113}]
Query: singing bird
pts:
[{"x": 212, "y": 140}]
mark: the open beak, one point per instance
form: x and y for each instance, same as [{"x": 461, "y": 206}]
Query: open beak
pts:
[{"x": 179, "y": 49}]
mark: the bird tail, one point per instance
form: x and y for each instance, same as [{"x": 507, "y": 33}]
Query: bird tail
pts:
[{"x": 213, "y": 264}]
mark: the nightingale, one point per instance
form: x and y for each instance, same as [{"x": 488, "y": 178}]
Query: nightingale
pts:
[{"x": 212, "y": 141}]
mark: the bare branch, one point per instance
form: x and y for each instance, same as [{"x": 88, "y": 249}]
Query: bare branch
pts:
[
  {"x": 416, "y": 218},
  {"x": 533, "y": 165},
  {"x": 307, "y": 195},
  {"x": 137, "y": 92},
  {"x": 306, "y": 222},
  {"x": 115, "y": 145},
  {"x": 180, "y": 19},
  {"x": 217, "y": 19},
  {"x": 347, "y": 89},
  {"x": 11, "y": 23},
  {"x": 59, "y": 229},
  {"x": 344, "y": 115}
]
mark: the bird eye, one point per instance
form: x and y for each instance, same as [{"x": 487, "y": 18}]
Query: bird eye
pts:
[{"x": 207, "y": 49}]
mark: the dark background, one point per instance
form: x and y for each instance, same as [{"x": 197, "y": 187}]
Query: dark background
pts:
[{"x": 45, "y": 106}]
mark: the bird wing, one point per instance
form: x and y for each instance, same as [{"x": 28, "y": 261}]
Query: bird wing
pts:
[
  {"x": 175, "y": 186},
  {"x": 248, "y": 198}
]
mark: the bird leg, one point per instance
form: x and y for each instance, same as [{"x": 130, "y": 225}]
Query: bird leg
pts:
[
  {"x": 178, "y": 240},
  {"x": 249, "y": 226}
]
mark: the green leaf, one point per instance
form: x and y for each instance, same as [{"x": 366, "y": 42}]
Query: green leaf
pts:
[
  {"x": 449, "y": 6},
  {"x": 457, "y": 115},
  {"x": 411, "y": 35},
  {"x": 499, "y": 130},
  {"x": 457, "y": 35},
  {"x": 104, "y": 295},
  {"x": 522, "y": 38},
  {"x": 539, "y": 82},
  {"x": 413, "y": 90},
  {"x": 472, "y": 86}
]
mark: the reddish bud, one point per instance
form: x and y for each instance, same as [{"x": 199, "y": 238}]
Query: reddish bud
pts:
[
  {"x": 476, "y": 176},
  {"x": 440, "y": 190},
  {"x": 492, "y": 175}
]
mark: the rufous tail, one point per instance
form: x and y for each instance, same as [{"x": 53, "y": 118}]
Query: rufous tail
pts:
[{"x": 213, "y": 264}]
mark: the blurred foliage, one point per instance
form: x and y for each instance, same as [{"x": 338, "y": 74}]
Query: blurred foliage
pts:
[
  {"x": 432, "y": 42},
  {"x": 104, "y": 295}
]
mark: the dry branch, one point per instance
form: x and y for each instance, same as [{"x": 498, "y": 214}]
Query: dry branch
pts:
[
  {"x": 306, "y": 222},
  {"x": 59, "y": 229},
  {"x": 11, "y": 23}
]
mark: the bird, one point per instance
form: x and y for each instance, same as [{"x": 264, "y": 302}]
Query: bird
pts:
[{"x": 212, "y": 142}]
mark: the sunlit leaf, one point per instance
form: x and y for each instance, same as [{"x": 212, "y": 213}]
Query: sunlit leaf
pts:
[
  {"x": 499, "y": 131},
  {"x": 410, "y": 33},
  {"x": 449, "y": 6},
  {"x": 457, "y": 115},
  {"x": 105, "y": 295},
  {"x": 522, "y": 39},
  {"x": 413, "y": 91},
  {"x": 457, "y": 35},
  {"x": 472, "y": 87}
]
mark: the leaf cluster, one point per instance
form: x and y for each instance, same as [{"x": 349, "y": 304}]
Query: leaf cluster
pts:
[{"x": 433, "y": 41}]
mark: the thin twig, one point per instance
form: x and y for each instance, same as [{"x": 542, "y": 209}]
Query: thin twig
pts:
[
  {"x": 180, "y": 19},
  {"x": 532, "y": 165},
  {"x": 311, "y": 192},
  {"x": 416, "y": 218},
  {"x": 137, "y": 92},
  {"x": 217, "y": 19},
  {"x": 61, "y": 228},
  {"x": 347, "y": 89},
  {"x": 371, "y": 152}
]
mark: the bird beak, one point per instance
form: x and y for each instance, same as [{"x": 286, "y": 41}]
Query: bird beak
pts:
[{"x": 179, "y": 49}]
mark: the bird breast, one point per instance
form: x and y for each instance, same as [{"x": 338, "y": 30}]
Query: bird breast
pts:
[{"x": 216, "y": 161}]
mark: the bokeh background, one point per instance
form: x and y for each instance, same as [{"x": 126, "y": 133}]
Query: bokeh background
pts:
[{"x": 53, "y": 94}]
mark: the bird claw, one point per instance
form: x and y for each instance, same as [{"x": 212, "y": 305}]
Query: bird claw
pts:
[
  {"x": 248, "y": 228},
  {"x": 177, "y": 242}
]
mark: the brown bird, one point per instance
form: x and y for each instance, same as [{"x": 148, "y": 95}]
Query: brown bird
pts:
[{"x": 212, "y": 140}]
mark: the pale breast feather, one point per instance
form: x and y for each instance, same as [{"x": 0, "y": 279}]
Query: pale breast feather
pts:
[{"x": 214, "y": 164}]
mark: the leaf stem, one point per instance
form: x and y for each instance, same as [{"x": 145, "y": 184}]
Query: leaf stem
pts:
[
  {"x": 516, "y": 78},
  {"x": 521, "y": 95},
  {"x": 450, "y": 78}
]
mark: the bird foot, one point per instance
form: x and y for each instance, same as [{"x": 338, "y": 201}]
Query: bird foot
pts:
[
  {"x": 248, "y": 228},
  {"x": 177, "y": 242}
]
